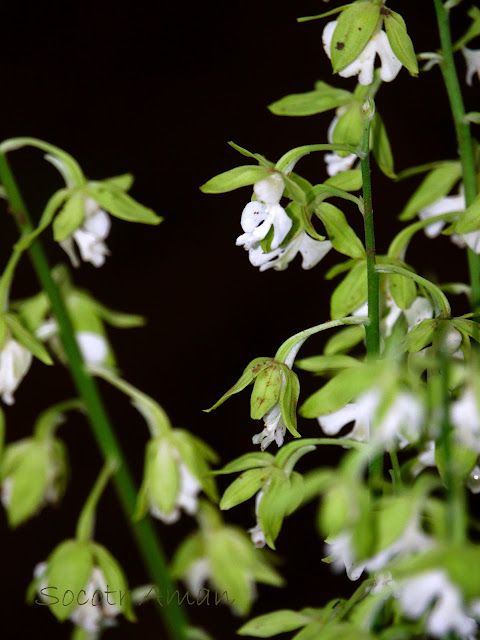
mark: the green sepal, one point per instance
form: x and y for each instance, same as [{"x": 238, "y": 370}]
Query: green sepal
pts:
[
  {"x": 469, "y": 327},
  {"x": 421, "y": 335},
  {"x": 335, "y": 511},
  {"x": 55, "y": 201},
  {"x": 247, "y": 461},
  {"x": 70, "y": 217},
  {"x": 248, "y": 154},
  {"x": 324, "y": 98},
  {"x": 326, "y": 363},
  {"x": 120, "y": 205},
  {"x": 354, "y": 29},
  {"x": 381, "y": 148},
  {"x": 470, "y": 220},
  {"x": 235, "y": 178},
  {"x": 266, "y": 391},
  {"x": 344, "y": 340},
  {"x": 400, "y": 42},
  {"x": 194, "y": 454},
  {"x": 3, "y": 332},
  {"x": 461, "y": 460},
  {"x": 115, "y": 579},
  {"x": 473, "y": 30},
  {"x": 69, "y": 569},
  {"x": 437, "y": 184},
  {"x": 325, "y": 14},
  {"x": 351, "y": 293},
  {"x": 340, "y": 233},
  {"x": 289, "y": 399},
  {"x": 114, "y": 318},
  {"x": 350, "y": 180},
  {"x": 189, "y": 550},
  {"x": 339, "y": 268},
  {"x": 271, "y": 624},
  {"x": 250, "y": 373},
  {"x": 27, "y": 339},
  {"x": 281, "y": 497},
  {"x": 244, "y": 487},
  {"x": 25, "y": 464},
  {"x": 339, "y": 391},
  {"x": 403, "y": 290},
  {"x": 348, "y": 129},
  {"x": 122, "y": 182},
  {"x": 162, "y": 473}
]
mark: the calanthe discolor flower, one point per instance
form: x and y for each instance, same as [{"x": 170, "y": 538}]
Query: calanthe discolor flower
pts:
[
  {"x": 312, "y": 252},
  {"x": 363, "y": 66}
]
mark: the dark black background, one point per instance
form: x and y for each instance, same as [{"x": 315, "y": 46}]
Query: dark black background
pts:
[{"x": 157, "y": 90}]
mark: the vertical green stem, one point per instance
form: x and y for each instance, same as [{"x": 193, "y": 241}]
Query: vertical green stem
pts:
[
  {"x": 144, "y": 532},
  {"x": 372, "y": 331},
  {"x": 456, "y": 517},
  {"x": 464, "y": 138}
]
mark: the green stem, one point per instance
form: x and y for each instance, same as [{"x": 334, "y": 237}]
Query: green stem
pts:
[
  {"x": 143, "y": 531},
  {"x": 372, "y": 330},
  {"x": 86, "y": 520},
  {"x": 396, "y": 473},
  {"x": 456, "y": 515},
  {"x": 462, "y": 130}
]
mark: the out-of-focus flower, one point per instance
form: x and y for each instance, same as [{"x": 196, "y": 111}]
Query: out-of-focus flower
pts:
[
  {"x": 15, "y": 361},
  {"x": 472, "y": 58},
  {"x": 90, "y": 236}
]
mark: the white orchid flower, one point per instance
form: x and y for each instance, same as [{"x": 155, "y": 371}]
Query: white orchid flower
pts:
[
  {"x": 186, "y": 499},
  {"x": 341, "y": 555},
  {"x": 90, "y": 236},
  {"x": 450, "y": 204},
  {"x": 398, "y": 425},
  {"x": 93, "y": 347},
  {"x": 257, "y": 534},
  {"x": 312, "y": 251},
  {"x": 15, "y": 361},
  {"x": 363, "y": 66},
  {"x": 465, "y": 419},
  {"x": 448, "y": 615},
  {"x": 472, "y": 58},
  {"x": 274, "y": 428},
  {"x": 259, "y": 215},
  {"x": 335, "y": 163},
  {"x": 97, "y": 613}
]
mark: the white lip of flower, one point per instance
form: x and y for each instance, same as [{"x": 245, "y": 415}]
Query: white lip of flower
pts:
[
  {"x": 448, "y": 614},
  {"x": 94, "y": 614},
  {"x": 399, "y": 425},
  {"x": 472, "y": 58},
  {"x": 257, "y": 534},
  {"x": 426, "y": 458},
  {"x": 341, "y": 554},
  {"x": 275, "y": 428},
  {"x": 15, "y": 361},
  {"x": 89, "y": 236},
  {"x": 335, "y": 163},
  {"x": 465, "y": 418},
  {"x": 186, "y": 498},
  {"x": 363, "y": 65},
  {"x": 313, "y": 251},
  {"x": 258, "y": 216},
  {"x": 6, "y": 492}
]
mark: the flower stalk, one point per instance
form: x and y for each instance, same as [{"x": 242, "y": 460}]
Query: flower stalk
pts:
[
  {"x": 143, "y": 531},
  {"x": 462, "y": 130}
]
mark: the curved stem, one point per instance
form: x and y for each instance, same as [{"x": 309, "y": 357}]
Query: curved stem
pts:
[
  {"x": 144, "y": 533},
  {"x": 86, "y": 520},
  {"x": 462, "y": 130}
]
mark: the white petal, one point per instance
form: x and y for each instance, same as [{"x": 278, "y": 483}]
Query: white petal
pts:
[
  {"x": 327, "y": 36},
  {"x": 252, "y": 215},
  {"x": 69, "y": 248},
  {"x": 448, "y": 204},
  {"x": 270, "y": 190},
  {"x": 419, "y": 310},
  {"x": 189, "y": 490},
  {"x": 473, "y": 240},
  {"x": 99, "y": 224},
  {"x": 472, "y": 58},
  {"x": 93, "y": 347},
  {"x": 196, "y": 575},
  {"x": 313, "y": 250},
  {"x": 282, "y": 224},
  {"x": 334, "y": 422},
  {"x": 336, "y": 164},
  {"x": 91, "y": 248},
  {"x": 15, "y": 361},
  {"x": 362, "y": 65}
]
